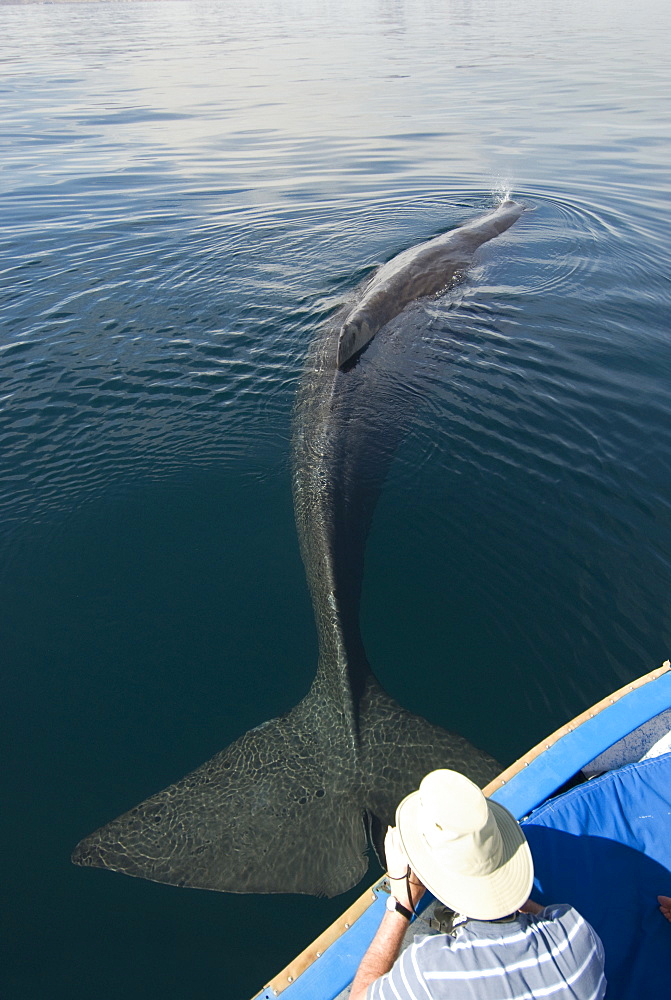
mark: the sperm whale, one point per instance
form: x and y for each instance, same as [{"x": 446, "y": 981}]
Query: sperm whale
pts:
[{"x": 294, "y": 804}]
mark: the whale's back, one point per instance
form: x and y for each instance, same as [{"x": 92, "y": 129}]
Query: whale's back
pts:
[{"x": 422, "y": 270}]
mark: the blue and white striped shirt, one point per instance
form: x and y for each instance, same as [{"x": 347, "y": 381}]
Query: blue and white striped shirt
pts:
[{"x": 554, "y": 954}]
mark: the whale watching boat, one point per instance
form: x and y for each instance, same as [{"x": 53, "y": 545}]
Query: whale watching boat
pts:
[{"x": 594, "y": 799}]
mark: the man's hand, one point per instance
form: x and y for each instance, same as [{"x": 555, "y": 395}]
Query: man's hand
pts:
[
  {"x": 398, "y": 869},
  {"x": 665, "y": 906}
]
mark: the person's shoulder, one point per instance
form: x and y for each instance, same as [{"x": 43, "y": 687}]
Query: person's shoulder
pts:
[
  {"x": 565, "y": 925},
  {"x": 429, "y": 942},
  {"x": 566, "y": 917},
  {"x": 429, "y": 950}
]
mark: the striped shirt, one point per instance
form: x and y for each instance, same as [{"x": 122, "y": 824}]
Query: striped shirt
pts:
[{"x": 554, "y": 954}]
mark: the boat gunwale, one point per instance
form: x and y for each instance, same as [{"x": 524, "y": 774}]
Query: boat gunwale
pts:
[{"x": 306, "y": 958}]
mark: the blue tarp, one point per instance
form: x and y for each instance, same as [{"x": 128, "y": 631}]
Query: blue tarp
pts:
[
  {"x": 548, "y": 772},
  {"x": 605, "y": 847}
]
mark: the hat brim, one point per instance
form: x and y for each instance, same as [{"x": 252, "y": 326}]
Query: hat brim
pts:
[{"x": 484, "y": 897}]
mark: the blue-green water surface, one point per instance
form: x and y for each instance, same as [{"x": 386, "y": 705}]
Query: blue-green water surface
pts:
[{"x": 186, "y": 190}]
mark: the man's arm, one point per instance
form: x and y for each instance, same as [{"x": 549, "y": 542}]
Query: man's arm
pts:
[
  {"x": 384, "y": 948},
  {"x": 382, "y": 953}
]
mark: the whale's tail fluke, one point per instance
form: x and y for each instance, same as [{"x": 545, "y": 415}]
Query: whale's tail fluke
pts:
[
  {"x": 264, "y": 815},
  {"x": 284, "y": 808}
]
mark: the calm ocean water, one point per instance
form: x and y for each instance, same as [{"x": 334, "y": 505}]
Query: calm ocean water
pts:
[{"x": 186, "y": 190}]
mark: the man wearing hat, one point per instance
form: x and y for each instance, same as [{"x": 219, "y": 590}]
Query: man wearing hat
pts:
[{"x": 471, "y": 853}]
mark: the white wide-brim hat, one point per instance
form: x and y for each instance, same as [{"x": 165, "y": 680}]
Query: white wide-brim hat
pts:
[{"x": 469, "y": 851}]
